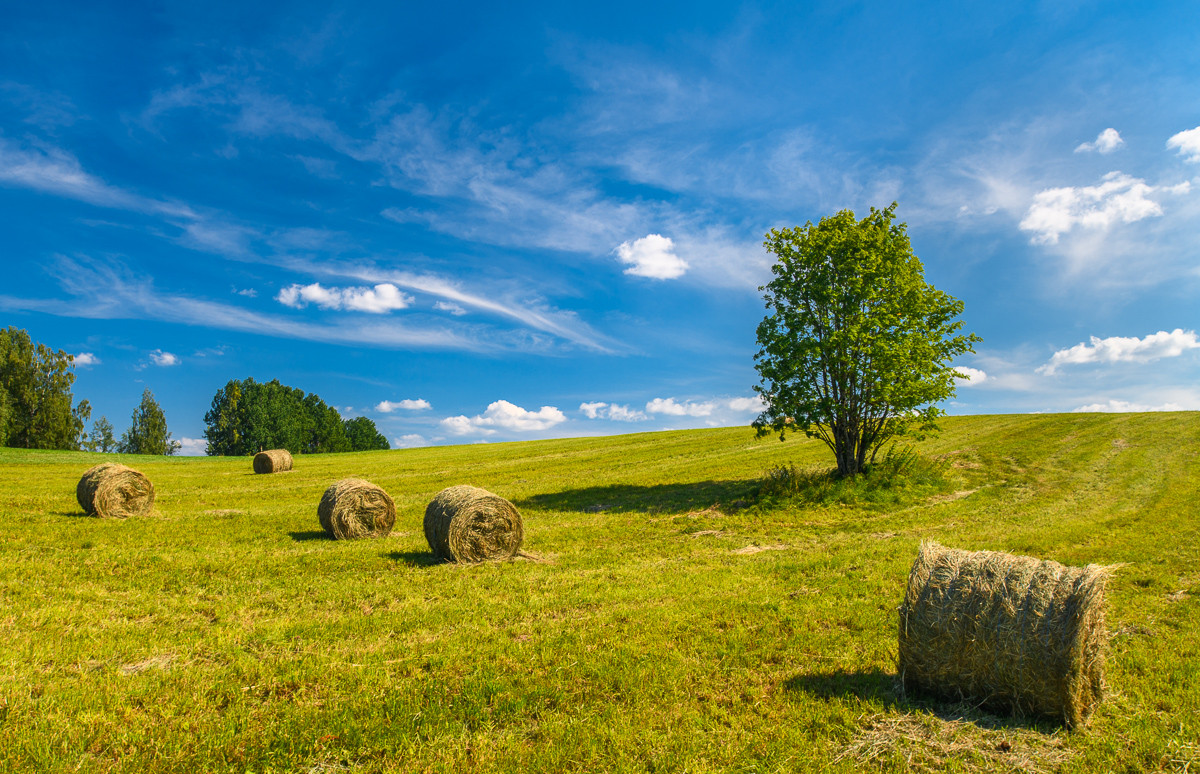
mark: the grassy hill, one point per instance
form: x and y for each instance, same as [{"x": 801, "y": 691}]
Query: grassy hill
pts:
[{"x": 674, "y": 622}]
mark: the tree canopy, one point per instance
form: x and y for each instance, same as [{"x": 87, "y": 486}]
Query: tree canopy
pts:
[
  {"x": 856, "y": 346},
  {"x": 36, "y": 410},
  {"x": 247, "y": 417},
  {"x": 147, "y": 433}
]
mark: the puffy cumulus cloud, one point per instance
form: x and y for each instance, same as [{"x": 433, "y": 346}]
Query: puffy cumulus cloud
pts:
[
  {"x": 671, "y": 407},
  {"x": 410, "y": 441},
  {"x": 408, "y": 404},
  {"x": 1188, "y": 144},
  {"x": 1117, "y": 349},
  {"x": 161, "y": 358},
  {"x": 382, "y": 298},
  {"x": 1119, "y": 198},
  {"x": 193, "y": 447},
  {"x": 502, "y": 415},
  {"x": 652, "y": 256},
  {"x": 973, "y": 376},
  {"x": 753, "y": 404},
  {"x": 1113, "y": 406},
  {"x": 600, "y": 410},
  {"x": 86, "y": 359},
  {"x": 1106, "y": 142}
]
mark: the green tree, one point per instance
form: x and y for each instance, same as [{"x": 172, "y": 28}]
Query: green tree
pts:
[
  {"x": 36, "y": 410},
  {"x": 102, "y": 436},
  {"x": 856, "y": 346},
  {"x": 364, "y": 436},
  {"x": 247, "y": 417},
  {"x": 147, "y": 433}
]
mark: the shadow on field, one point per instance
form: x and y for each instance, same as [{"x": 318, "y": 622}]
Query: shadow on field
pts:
[
  {"x": 309, "y": 534},
  {"x": 658, "y": 498},
  {"x": 414, "y": 558},
  {"x": 868, "y": 685}
]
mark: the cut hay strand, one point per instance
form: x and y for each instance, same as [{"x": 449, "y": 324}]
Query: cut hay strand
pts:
[
  {"x": 1005, "y": 630},
  {"x": 467, "y": 524},
  {"x": 353, "y": 508},
  {"x": 113, "y": 491},
  {"x": 273, "y": 461}
]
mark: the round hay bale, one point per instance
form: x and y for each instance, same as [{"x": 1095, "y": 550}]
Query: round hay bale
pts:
[
  {"x": 1013, "y": 631},
  {"x": 353, "y": 508},
  {"x": 113, "y": 491},
  {"x": 273, "y": 461},
  {"x": 468, "y": 524}
]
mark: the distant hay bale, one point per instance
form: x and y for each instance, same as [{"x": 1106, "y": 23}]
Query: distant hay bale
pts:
[
  {"x": 467, "y": 524},
  {"x": 353, "y": 508},
  {"x": 113, "y": 491},
  {"x": 1005, "y": 630},
  {"x": 273, "y": 461}
]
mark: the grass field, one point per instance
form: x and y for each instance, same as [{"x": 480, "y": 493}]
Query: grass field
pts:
[{"x": 674, "y": 622}]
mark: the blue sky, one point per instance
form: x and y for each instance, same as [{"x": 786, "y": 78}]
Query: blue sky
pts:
[{"x": 472, "y": 222}]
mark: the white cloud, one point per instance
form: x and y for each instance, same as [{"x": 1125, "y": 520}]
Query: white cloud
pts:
[
  {"x": 446, "y": 306},
  {"x": 382, "y": 298},
  {"x": 600, "y": 410},
  {"x": 161, "y": 358},
  {"x": 408, "y": 404},
  {"x": 1118, "y": 198},
  {"x": 1118, "y": 349},
  {"x": 1113, "y": 406},
  {"x": 753, "y": 404},
  {"x": 409, "y": 441},
  {"x": 193, "y": 447},
  {"x": 86, "y": 359},
  {"x": 505, "y": 416},
  {"x": 1106, "y": 142},
  {"x": 247, "y": 292},
  {"x": 1188, "y": 143},
  {"x": 652, "y": 256},
  {"x": 974, "y": 376},
  {"x": 670, "y": 407}
]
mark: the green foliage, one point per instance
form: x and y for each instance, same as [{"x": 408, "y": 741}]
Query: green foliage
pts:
[
  {"x": 102, "y": 439},
  {"x": 247, "y": 417},
  {"x": 364, "y": 436},
  {"x": 900, "y": 477},
  {"x": 856, "y": 346},
  {"x": 36, "y": 409},
  {"x": 147, "y": 433}
]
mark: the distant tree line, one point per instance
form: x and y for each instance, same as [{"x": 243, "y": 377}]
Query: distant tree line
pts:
[
  {"x": 247, "y": 417},
  {"x": 38, "y": 411}
]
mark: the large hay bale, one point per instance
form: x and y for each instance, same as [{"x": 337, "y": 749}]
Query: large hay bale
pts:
[
  {"x": 1014, "y": 631},
  {"x": 113, "y": 491},
  {"x": 469, "y": 524},
  {"x": 273, "y": 461},
  {"x": 353, "y": 508}
]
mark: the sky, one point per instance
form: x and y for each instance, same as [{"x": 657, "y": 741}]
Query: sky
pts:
[{"x": 483, "y": 222}]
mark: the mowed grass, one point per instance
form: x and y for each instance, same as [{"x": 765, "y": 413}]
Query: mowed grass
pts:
[{"x": 674, "y": 623}]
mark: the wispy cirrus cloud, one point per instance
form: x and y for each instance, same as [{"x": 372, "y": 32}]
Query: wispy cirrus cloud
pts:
[{"x": 1128, "y": 349}]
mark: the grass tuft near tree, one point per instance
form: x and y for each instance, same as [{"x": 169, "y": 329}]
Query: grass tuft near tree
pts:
[{"x": 856, "y": 346}]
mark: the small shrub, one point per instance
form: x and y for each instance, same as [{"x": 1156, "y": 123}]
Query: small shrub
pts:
[{"x": 901, "y": 475}]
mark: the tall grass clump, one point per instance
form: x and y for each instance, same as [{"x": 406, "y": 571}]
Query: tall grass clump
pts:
[{"x": 902, "y": 475}]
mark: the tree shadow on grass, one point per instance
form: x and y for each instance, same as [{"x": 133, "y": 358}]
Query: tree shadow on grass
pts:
[
  {"x": 657, "y": 498},
  {"x": 414, "y": 558},
  {"x": 310, "y": 534},
  {"x": 885, "y": 689}
]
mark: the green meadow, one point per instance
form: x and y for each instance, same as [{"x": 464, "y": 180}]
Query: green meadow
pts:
[{"x": 671, "y": 614}]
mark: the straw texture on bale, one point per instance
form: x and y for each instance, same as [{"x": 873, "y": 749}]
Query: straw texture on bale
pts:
[
  {"x": 468, "y": 524},
  {"x": 1009, "y": 631},
  {"x": 273, "y": 461},
  {"x": 353, "y": 508},
  {"x": 113, "y": 491}
]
